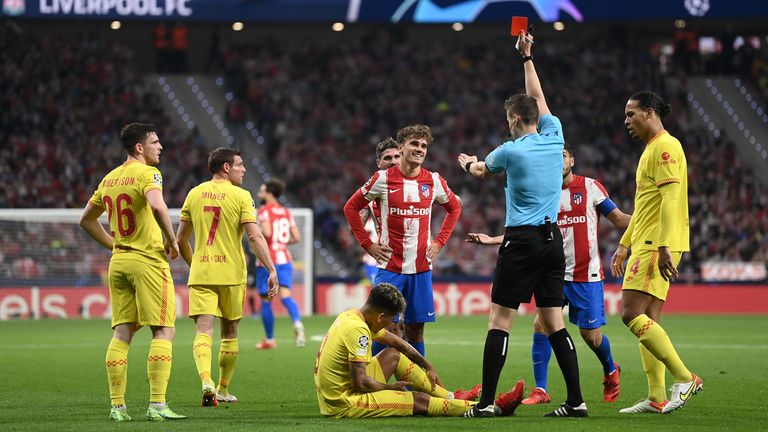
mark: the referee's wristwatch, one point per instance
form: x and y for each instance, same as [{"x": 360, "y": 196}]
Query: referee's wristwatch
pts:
[{"x": 526, "y": 58}]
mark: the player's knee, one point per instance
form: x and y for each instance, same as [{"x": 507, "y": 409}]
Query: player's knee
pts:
[
  {"x": 167, "y": 333},
  {"x": 628, "y": 314},
  {"x": 537, "y": 326},
  {"x": 420, "y": 403},
  {"x": 265, "y": 299},
  {"x": 593, "y": 337},
  {"x": 388, "y": 355},
  {"x": 285, "y": 293}
]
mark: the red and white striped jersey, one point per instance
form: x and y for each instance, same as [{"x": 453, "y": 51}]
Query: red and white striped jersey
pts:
[
  {"x": 281, "y": 221},
  {"x": 578, "y": 221},
  {"x": 373, "y": 233},
  {"x": 405, "y": 209}
]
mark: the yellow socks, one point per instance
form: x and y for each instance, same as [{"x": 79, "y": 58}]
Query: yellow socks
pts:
[
  {"x": 654, "y": 370},
  {"x": 201, "y": 350},
  {"x": 408, "y": 371},
  {"x": 227, "y": 360},
  {"x": 159, "y": 368},
  {"x": 448, "y": 408},
  {"x": 117, "y": 370},
  {"x": 655, "y": 339}
]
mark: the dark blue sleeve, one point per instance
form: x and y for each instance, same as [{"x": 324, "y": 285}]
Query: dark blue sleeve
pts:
[
  {"x": 606, "y": 207},
  {"x": 550, "y": 125}
]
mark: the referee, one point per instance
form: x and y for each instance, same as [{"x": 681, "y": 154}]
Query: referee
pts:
[{"x": 531, "y": 259}]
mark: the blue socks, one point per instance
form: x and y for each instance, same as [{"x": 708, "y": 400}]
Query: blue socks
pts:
[
  {"x": 377, "y": 347},
  {"x": 541, "y": 352},
  {"x": 292, "y": 308},
  {"x": 419, "y": 347},
  {"x": 603, "y": 353},
  {"x": 268, "y": 317}
]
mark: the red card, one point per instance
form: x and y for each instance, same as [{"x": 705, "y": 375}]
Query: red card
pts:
[{"x": 519, "y": 24}]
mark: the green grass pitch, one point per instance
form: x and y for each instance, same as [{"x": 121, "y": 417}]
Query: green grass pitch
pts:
[{"x": 53, "y": 379}]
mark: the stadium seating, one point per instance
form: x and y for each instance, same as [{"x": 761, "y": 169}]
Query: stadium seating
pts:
[
  {"x": 459, "y": 90},
  {"x": 63, "y": 100}
]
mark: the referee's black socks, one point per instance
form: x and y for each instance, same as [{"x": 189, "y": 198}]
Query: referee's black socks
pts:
[
  {"x": 494, "y": 356},
  {"x": 565, "y": 352}
]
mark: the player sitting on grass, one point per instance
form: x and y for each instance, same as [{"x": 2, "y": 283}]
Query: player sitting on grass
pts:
[{"x": 352, "y": 384}]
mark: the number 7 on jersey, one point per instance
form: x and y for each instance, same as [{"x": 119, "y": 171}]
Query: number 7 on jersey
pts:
[{"x": 216, "y": 210}]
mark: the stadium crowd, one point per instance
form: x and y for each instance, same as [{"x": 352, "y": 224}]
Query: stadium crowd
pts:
[
  {"x": 62, "y": 102},
  {"x": 323, "y": 107}
]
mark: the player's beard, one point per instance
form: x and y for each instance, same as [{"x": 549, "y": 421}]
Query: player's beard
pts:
[{"x": 263, "y": 202}]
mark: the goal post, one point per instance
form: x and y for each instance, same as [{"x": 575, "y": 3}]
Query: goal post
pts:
[{"x": 50, "y": 268}]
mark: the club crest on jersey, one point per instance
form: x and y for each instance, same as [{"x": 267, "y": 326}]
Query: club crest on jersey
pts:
[
  {"x": 577, "y": 198},
  {"x": 425, "y": 190}
]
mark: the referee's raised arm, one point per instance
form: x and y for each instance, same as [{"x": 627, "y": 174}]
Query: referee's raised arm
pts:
[{"x": 532, "y": 84}]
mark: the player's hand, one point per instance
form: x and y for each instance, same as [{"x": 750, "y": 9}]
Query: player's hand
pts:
[
  {"x": 400, "y": 385},
  {"x": 434, "y": 380},
  {"x": 272, "y": 285},
  {"x": 666, "y": 266},
  {"x": 433, "y": 249},
  {"x": 524, "y": 42},
  {"x": 380, "y": 253},
  {"x": 464, "y": 158},
  {"x": 479, "y": 238},
  {"x": 618, "y": 261},
  {"x": 172, "y": 248}
]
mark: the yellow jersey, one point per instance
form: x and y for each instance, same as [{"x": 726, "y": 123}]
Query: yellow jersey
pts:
[
  {"x": 348, "y": 340},
  {"x": 217, "y": 210},
  {"x": 134, "y": 230},
  {"x": 662, "y": 162}
]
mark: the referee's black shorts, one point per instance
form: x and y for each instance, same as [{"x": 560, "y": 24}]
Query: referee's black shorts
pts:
[{"x": 531, "y": 262}]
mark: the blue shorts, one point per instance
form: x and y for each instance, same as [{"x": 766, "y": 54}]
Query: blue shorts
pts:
[
  {"x": 586, "y": 304},
  {"x": 284, "y": 277},
  {"x": 370, "y": 272},
  {"x": 417, "y": 290}
]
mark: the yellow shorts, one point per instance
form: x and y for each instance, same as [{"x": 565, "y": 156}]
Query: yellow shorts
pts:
[
  {"x": 141, "y": 293},
  {"x": 223, "y": 301},
  {"x": 643, "y": 273},
  {"x": 384, "y": 403}
]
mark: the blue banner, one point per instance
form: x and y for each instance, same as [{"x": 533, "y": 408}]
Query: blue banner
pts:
[{"x": 395, "y": 11}]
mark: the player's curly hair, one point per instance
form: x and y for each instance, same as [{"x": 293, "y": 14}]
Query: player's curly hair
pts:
[
  {"x": 648, "y": 99},
  {"x": 416, "y": 131},
  {"x": 385, "y": 145},
  {"x": 386, "y": 298},
  {"x": 567, "y": 147}
]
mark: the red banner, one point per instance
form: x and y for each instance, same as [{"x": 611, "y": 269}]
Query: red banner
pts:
[
  {"x": 474, "y": 298},
  {"x": 93, "y": 302}
]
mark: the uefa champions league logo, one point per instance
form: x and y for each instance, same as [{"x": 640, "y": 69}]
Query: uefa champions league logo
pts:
[
  {"x": 697, "y": 7},
  {"x": 13, "y": 7}
]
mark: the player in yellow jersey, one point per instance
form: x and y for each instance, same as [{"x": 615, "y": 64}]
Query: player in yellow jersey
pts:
[
  {"x": 658, "y": 236},
  {"x": 219, "y": 211},
  {"x": 352, "y": 384},
  {"x": 140, "y": 283}
]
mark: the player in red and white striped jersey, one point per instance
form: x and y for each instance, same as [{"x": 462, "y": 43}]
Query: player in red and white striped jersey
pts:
[
  {"x": 280, "y": 230},
  {"x": 405, "y": 249},
  {"x": 582, "y": 202}
]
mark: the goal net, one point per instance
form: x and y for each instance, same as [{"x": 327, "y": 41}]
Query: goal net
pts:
[{"x": 50, "y": 268}]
